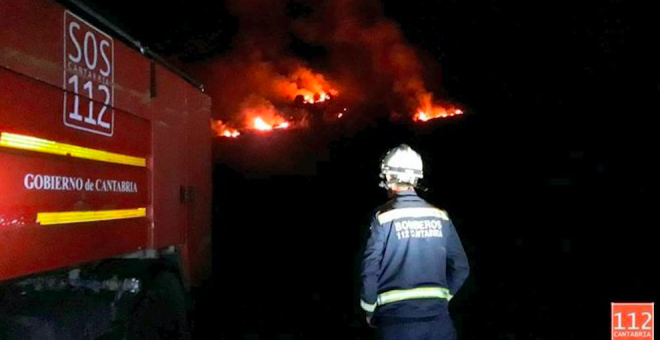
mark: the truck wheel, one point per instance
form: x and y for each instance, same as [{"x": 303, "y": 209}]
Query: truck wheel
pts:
[{"x": 160, "y": 311}]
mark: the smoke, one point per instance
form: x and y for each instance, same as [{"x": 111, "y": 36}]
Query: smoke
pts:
[
  {"x": 245, "y": 85},
  {"x": 368, "y": 61},
  {"x": 354, "y": 30},
  {"x": 262, "y": 24}
]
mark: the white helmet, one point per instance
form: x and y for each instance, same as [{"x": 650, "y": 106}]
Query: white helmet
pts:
[{"x": 403, "y": 165}]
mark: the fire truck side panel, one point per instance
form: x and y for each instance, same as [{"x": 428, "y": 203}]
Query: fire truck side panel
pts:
[
  {"x": 197, "y": 252},
  {"x": 34, "y": 35},
  {"x": 35, "y": 181},
  {"x": 31, "y": 39},
  {"x": 99, "y": 146},
  {"x": 33, "y": 108},
  {"x": 132, "y": 82},
  {"x": 169, "y": 159}
]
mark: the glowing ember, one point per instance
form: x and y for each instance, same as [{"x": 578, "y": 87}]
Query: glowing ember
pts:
[{"x": 223, "y": 130}]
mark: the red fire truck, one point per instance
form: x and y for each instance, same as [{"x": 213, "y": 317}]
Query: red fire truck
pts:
[{"x": 105, "y": 180}]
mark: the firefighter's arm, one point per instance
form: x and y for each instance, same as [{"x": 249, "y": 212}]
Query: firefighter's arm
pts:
[
  {"x": 458, "y": 267},
  {"x": 371, "y": 260}
]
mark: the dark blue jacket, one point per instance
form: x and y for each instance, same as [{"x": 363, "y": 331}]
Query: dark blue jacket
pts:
[{"x": 413, "y": 262}]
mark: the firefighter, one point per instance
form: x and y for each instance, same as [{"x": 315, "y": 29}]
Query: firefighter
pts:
[{"x": 413, "y": 262}]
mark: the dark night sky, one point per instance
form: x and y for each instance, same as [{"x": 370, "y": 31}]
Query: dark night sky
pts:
[{"x": 550, "y": 177}]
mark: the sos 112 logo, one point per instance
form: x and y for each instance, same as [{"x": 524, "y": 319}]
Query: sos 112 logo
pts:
[
  {"x": 88, "y": 77},
  {"x": 632, "y": 321}
]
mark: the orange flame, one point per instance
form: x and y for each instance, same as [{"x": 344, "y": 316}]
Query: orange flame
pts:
[
  {"x": 260, "y": 125},
  {"x": 261, "y": 115},
  {"x": 313, "y": 87},
  {"x": 427, "y": 110},
  {"x": 436, "y": 112},
  {"x": 315, "y": 98},
  {"x": 284, "y": 125},
  {"x": 223, "y": 130}
]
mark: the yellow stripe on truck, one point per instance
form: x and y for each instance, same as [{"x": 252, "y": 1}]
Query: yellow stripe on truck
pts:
[
  {"x": 22, "y": 142},
  {"x": 50, "y": 218}
]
